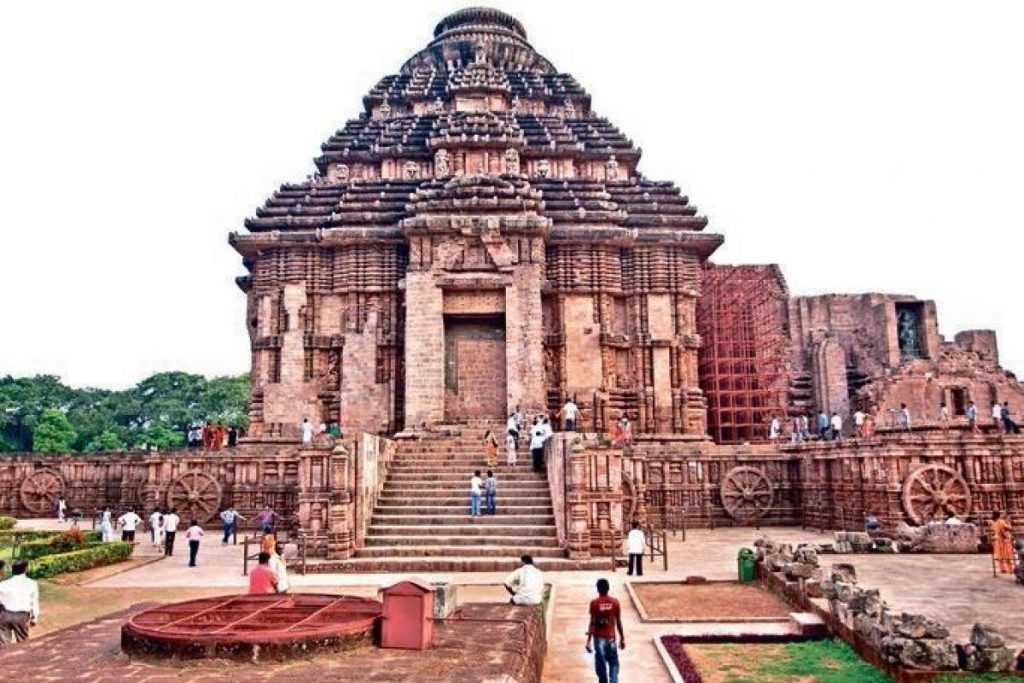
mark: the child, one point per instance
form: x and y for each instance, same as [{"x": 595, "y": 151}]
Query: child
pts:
[
  {"x": 491, "y": 490},
  {"x": 510, "y": 446}
]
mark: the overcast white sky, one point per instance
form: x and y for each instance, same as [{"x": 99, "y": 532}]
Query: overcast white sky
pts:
[{"x": 864, "y": 146}]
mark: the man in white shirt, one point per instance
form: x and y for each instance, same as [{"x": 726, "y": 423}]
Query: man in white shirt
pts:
[
  {"x": 307, "y": 431},
  {"x": 570, "y": 413},
  {"x": 636, "y": 541},
  {"x": 837, "y": 427},
  {"x": 905, "y": 416},
  {"x": 953, "y": 520},
  {"x": 19, "y": 605},
  {"x": 526, "y": 584},
  {"x": 280, "y": 569},
  {"x": 171, "y": 522},
  {"x": 537, "y": 438},
  {"x": 775, "y": 429},
  {"x": 997, "y": 416},
  {"x": 128, "y": 522},
  {"x": 475, "y": 488},
  {"x": 858, "y": 423}
]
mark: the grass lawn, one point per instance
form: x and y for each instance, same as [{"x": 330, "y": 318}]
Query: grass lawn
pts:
[
  {"x": 825, "y": 661},
  {"x": 979, "y": 678}
]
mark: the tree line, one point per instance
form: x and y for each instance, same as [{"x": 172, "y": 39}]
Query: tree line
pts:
[{"x": 44, "y": 415}]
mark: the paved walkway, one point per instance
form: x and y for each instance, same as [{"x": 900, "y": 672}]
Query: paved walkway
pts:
[{"x": 957, "y": 590}]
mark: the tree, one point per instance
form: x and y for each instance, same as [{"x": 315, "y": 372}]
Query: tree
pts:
[
  {"x": 107, "y": 440},
  {"x": 53, "y": 433},
  {"x": 156, "y": 434}
]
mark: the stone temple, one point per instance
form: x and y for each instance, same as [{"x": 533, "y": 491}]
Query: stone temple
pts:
[{"x": 477, "y": 239}]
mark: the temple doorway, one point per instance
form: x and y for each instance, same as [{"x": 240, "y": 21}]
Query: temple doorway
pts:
[{"x": 474, "y": 368}]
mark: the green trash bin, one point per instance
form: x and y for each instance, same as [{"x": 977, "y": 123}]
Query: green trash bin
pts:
[{"x": 745, "y": 564}]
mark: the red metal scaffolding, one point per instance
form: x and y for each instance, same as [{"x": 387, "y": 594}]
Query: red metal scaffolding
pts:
[{"x": 742, "y": 320}]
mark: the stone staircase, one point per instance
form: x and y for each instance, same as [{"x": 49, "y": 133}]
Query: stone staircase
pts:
[{"x": 421, "y": 522}]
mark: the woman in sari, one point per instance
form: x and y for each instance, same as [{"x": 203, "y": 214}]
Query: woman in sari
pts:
[
  {"x": 1002, "y": 543},
  {"x": 491, "y": 449}
]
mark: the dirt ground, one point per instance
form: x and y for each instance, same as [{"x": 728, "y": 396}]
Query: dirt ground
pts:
[
  {"x": 817, "y": 662},
  {"x": 714, "y": 601}
]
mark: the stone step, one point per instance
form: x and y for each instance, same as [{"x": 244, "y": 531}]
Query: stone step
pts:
[
  {"x": 465, "y": 529},
  {"x": 535, "y": 487},
  {"x": 516, "y": 502},
  {"x": 489, "y": 539},
  {"x": 458, "y": 519},
  {"x": 456, "y": 474},
  {"x": 459, "y": 466},
  {"x": 460, "y": 508},
  {"x": 488, "y": 548},
  {"x": 425, "y": 565}
]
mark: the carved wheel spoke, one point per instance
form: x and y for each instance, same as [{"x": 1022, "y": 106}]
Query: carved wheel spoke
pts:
[
  {"x": 746, "y": 493},
  {"x": 40, "y": 490},
  {"x": 935, "y": 489},
  {"x": 196, "y": 494}
]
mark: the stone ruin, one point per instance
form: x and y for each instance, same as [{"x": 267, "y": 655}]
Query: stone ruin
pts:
[{"x": 902, "y": 640}]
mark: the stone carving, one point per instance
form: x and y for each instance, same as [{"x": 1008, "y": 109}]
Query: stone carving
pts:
[
  {"x": 411, "y": 169},
  {"x": 543, "y": 168},
  {"x": 39, "y": 492},
  {"x": 746, "y": 493},
  {"x": 341, "y": 171},
  {"x": 938, "y": 538},
  {"x": 442, "y": 167},
  {"x": 517, "y": 105},
  {"x": 196, "y": 495},
  {"x": 438, "y": 105},
  {"x": 908, "y": 324},
  {"x": 934, "y": 492},
  {"x": 385, "y": 110},
  {"x": 611, "y": 168},
  {"x": 570, "y": 109},
  {"x": 511, "y": 161}
]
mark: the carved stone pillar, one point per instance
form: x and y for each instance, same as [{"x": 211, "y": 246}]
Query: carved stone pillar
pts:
[
  {"x": 340, "y": 539},
  {"x": 578, "y": 533}
]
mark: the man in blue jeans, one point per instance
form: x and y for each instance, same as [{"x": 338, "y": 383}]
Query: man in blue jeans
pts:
[{"x": 605, "y": 620}]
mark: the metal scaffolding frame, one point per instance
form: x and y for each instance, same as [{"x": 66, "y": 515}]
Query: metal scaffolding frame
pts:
[{"x": 743, "y": 361}]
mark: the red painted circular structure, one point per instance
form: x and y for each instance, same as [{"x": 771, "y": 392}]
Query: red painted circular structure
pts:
[{"x": 252, "y": 627}]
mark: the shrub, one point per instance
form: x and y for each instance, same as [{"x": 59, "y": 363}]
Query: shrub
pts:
[
  {"x": 32, "y": 535},
  {"x": 7, "y": 523},
  {"x": 63, "y": 542},
  {"x": 80, "y": 560}
]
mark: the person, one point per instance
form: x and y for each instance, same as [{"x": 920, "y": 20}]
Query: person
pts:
[
  {"x": 953, "y": 520},
  {"x": 627, "y": 430},
  {"x": 871, "y": 522},
  {"x": 858, "y": 422},
  {"x": 106, "y": 525},
  {"x": 207, "y": 436},
  {"x": 156, "y": 528},
  {"x": 944, "y": 417},
  {"x": 193, "y": 534},
  {"x": 232, "y": 437},
  {"x": 1001, "y": 534},
  {"x": 267, "y": 544},
  {"x": 62, "y": 508},
  {"x": 491, "y": 493},
  {"x": 605, "y": 620},
  {"x": 307, "y": 431},
  {"x": 171, "y": 522},
  {"x": 997, "y": 415},
  {"x": 518, "y": 414},
  {"x": 837, "y": 427},
  {"x": 775, "y": 429},
  {"x": 869, "y": 425},
  {"x": 128, "y": 522},
  {"x": 512, "y": 426},
  {"x": 490, "y": 449},
  {"x": 823, "y": 425},
  {"x": 570, "y": 413},
  {"x": 636, "y": 541},
  {"x": 972, "y": 417},
  {"x": 795, "y": 433},
  {"x": 475, "y": 487},
  {"x": 265, "y": 519},
  {"x": 537, "y": 438},
  {"x": 280, "y": 568},
  {"x": 511, "y": 442},
  {"x": 1009, "y": 426},
  {"x": 526, "y": 584},
  {"x": 229, "y": 518},
  {"x": 904, "y": 417},
  {"x": 262, "y": 579},
  {"x": 19, "y": 598},
  {"x": 548, "y": 430}
]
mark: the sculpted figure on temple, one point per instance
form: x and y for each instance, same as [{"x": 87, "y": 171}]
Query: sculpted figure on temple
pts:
[
  {"x": 442, "y": 167},
  {"x": 516, "y": 105},
  {"x": 385, "y": 110},
  {"x": 438, "y": 105},
  {"x": 543, "y": 168},
  {"x": 611, "y": 168},
  {"x": 570, "y": 109},
  {"x": 909, "y": 343},
  {"x": 341, "y": 171},
  {"x": 511, "y": 161},
  {"x": 412, "y": 169}
]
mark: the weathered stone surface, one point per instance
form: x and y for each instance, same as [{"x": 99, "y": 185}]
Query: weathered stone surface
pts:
[
  {"x": 918, "y": 626},
  {"x": 986, "y": 636},
  {"x": 919, "y": 654}
]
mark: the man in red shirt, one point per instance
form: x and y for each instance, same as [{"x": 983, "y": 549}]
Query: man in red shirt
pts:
[
  {"x": 262, "y": 579},
  {"x": 605, "y": 619}
]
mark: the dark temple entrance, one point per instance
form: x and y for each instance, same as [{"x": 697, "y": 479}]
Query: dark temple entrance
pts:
[{"x": 474, "y": 368}]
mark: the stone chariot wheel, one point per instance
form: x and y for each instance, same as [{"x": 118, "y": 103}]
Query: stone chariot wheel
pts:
[
  {"x": 747, "y": 494},
  {"x": 196, "y": 495},
  {"x": 935, "y": 492},
  {"x": 39, "y": 492}
]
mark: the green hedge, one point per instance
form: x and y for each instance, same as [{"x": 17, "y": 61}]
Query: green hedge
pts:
[
  {"x": 80, "y": 560},
  {"x": 7, "y": 523},
  {"x": 31, "y": 535},
  {"x": 31, "y": 550}
]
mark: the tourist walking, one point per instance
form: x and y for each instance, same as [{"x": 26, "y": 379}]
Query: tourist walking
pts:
[
  {"x": 1001, "y": 536},
  {"x": 520, "y": 421},
  {"x": 171, "y": 523},
  {"x": 537, "y": 438},
  {"x": 636, "y": 541},
  {"x": 128, "y": 522},
  {"x": 307, "y": 432},
  {"x": 997, "y": 416},
  {"x": 605, "y": 621},
  {"x": 511, "y": 443},
  {"x": 280, "y": 568},
  {"x": 796, "y": 434},
  {"x": 570, "y": 414},
  {"x": 106, "y": 525},
  {"x": 775, "y": 429},
  {"x": 972, "y": 417},
  {"x": 823, "y": 426},
  {"x": 858, "y": 423},
  {"x": 156, "y": 529},
  {"x": 904, "y": 417},
  {"x": 262, "y": 579},
  {"x": 265, "y": 519},
  {"x": 1009, "y": 426},
  {"x": 475, "y": 489},
  {"x": 62, "y": 508},
  {"x": 512, "y": 426},
  {"x": 490, "y": 449},
  {"x": 19, "y": 598},
  {"x": 805, "y": 427},
  {"x": 193, "y": 534},
  {"x": 491, "y": 493},
  {"x": 944, "y": 417},
  {"x": 837, "y": 427},
  {"x": 526, "y": 584},
  {"x": 229, "y": 519}
]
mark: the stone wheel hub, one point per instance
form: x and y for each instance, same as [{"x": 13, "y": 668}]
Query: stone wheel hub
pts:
[{"x": 747, "y": 493}]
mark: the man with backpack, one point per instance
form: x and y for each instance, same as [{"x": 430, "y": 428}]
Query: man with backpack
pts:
[{"x": 605, "y": 620}]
